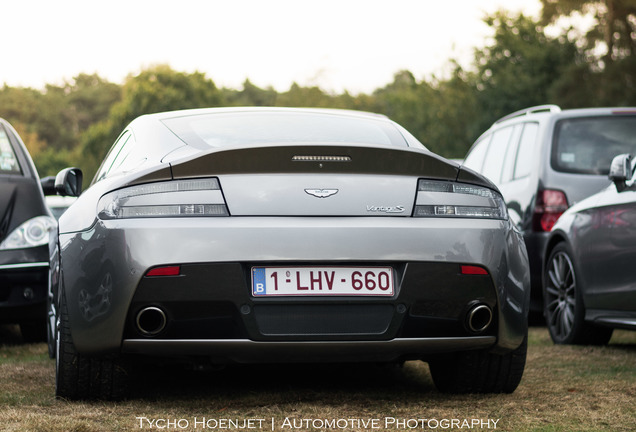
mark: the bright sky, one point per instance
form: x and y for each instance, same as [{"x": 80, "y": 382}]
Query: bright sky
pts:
[{"x": 355, "y": 45}]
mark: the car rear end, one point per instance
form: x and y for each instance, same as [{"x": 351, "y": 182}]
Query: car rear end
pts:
[
  {"x": 298, "y": 253},
  {"x": 250, "y": 257}
]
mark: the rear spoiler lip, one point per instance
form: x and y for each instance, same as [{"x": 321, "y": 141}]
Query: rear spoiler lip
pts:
[
  {"x": 278, "y": 159},
  {"x": 329, "y": 159}
]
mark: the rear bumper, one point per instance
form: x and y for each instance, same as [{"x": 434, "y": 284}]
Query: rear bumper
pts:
[
  {"x": 103, "y": 278},
  {"x": 247, "y": 351}
]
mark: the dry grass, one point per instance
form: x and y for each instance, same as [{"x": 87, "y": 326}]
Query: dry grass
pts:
[{"x": 564, "y": 389}]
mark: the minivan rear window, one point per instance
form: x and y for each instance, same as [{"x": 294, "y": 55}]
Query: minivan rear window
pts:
[
  {"x": 8, "y": 161},
  {"x": 587, "y": 145}
]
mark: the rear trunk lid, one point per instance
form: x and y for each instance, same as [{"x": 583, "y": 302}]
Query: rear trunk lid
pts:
[{"x": 318, "y": 180}]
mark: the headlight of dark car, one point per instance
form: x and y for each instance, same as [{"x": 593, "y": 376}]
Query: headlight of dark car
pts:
[{"x": 32, "y": 233}]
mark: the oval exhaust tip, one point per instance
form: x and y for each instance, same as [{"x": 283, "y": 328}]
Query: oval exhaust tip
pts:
[
  {"x": 151, "y": 321},
  {"x": 479, "y": 318}
]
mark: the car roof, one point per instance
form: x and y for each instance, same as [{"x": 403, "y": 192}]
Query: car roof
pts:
[
  {"x": 226, "y": 110},
  {"x": 542, "y": 111}
]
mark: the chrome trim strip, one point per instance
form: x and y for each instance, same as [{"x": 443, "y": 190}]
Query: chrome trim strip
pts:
[
  {"x": 23, "y": 265},
  {"x": 623, "y": 322},
  {"x": 248, "y": 351}
]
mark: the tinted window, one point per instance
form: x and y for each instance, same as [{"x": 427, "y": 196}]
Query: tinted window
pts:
[
  {"x": 525, "y": 154},
  {"x": 114, "y": 157},
  {"x": 511, "y": 154},
  {"x": 475, "y": 159},
  {"x": 588, "y": 145},
  {"x": 8, "y": 161},
  {"x": 493, "y": 164},
  {"x": 223, "y": 129}
]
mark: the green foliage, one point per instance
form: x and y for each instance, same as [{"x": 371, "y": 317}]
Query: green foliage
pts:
[
  {"x": 52, "y": 121},
  {"x": 251, "y": 95},
  {"x": 454, "y": 123},
  {"x": 606, "y": 77},
  {"x": 156, "y": 89},
  {"x": 75, "y": 123},
  {"x": 160, "y": 88},
  {"x": 615, "y": 29},
  {"x": 298, "y": 96},
  {"x": 522, "y": 67}
]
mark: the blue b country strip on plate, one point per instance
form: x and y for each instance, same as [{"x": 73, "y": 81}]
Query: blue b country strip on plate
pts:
[{"x": 258, "y": 281}]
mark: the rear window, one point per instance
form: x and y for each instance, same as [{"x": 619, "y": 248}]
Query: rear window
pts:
[
  {"x": 225, "y": 129},
  {"x": 8, "y": 161},
  {"x": 588, "y": 145}
]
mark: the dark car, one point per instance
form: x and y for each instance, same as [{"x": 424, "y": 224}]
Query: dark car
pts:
[
  {"x": 543, "y": 160},
  {"x": 259, "y": 235},
  {"x": 26, "y": 227},
  {"x": 589, "y": 286}
]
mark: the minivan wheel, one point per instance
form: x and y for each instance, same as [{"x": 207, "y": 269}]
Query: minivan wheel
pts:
[
  {"x": 563, "y": 303},
  {"x": 81, "y": 377}
]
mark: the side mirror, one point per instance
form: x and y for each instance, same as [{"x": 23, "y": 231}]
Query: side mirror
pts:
[
  {"x": 68, "y": 182},
  {"x": 48, "y": 185},
  {"x": 620, "y": 171}
]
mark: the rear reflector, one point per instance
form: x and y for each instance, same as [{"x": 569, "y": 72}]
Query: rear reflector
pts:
[
  {"x": 473, "y": 270},
  {"x": 164, "y": 271}
]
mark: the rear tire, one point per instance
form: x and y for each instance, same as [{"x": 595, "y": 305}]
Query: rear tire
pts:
[
  {"x": 479, "y": 371},
  {"x": 81, "y": 377},
  {"x": 564, "y": 309}
]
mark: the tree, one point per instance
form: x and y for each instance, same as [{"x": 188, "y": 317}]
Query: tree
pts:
[
  {"x": 453, "y": 124},
  {"x": 615, "y": 27},
  {"x": 52, "y": 121},
  {"x": 90, "y": 99},
  {"x": 298, "y": 96},
  {"x": 520, "y": 67},
  {"x": 609, "y": 48},
  {"x": 407, "y": 102},
  {"x": 251, "y": 95},
  {"x": 155, "y": 89}
]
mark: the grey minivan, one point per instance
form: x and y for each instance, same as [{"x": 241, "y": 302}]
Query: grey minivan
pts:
[{"x": 544, "y": 160}]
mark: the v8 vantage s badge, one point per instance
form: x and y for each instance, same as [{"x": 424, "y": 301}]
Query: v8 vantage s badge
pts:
[{"x": 385, "y": 209}]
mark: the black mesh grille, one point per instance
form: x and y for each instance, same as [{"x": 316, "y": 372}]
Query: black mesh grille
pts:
[{"x": 298, "y": 320}]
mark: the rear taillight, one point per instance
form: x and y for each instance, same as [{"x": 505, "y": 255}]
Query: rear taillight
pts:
[
  {"x": 177, "y": 198},
  {"x": 453, "y": 199},
  {"x": 549, "y": 206}
]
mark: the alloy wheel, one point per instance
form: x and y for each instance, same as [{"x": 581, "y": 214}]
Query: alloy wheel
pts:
[{"x": 560, "y": 292}]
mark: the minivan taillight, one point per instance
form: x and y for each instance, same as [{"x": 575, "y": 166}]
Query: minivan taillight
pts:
[{"x": 549, "y": 206}]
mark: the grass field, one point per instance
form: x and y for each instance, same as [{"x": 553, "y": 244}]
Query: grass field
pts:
[{"x": 564, "y": 388}]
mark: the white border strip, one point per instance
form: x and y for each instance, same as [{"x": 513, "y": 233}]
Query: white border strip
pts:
[{"x": 25, "y": 265}]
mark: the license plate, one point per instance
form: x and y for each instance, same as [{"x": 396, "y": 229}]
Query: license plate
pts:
[{"x": 317, "y": 281}]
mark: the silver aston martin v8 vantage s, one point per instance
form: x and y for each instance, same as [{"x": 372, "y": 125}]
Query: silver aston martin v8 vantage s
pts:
[{"x": 265, "y": 235}]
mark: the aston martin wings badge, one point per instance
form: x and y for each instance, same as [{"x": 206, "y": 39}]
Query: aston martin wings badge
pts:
[{"x": 321, "y": 193}]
